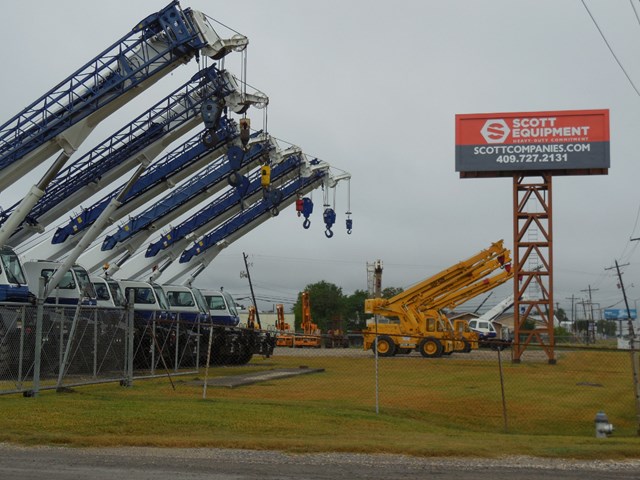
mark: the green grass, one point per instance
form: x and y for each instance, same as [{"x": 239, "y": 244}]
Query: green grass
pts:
[{"x": 445, "y": 407}]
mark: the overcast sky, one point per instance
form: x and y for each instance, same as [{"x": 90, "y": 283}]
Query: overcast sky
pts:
[{"x": 373, "y": 88}]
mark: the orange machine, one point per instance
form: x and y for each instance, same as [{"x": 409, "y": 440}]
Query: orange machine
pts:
[
  {"x": 251, "y": 319},
  {"x": 285, "y": 335},
  {"x": 311, "y": 333}
]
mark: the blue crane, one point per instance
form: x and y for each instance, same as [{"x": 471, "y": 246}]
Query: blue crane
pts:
[
  {"x": 64, "y": 116},
  {"x": 196, "y": 258},
  {"x": 208, "y": 217},
  {"x": 138, "y": 142},
  {"x": 206, "y": 183}
]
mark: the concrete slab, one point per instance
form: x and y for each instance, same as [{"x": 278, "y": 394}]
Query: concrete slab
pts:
[{"x": 234, "y": 381}]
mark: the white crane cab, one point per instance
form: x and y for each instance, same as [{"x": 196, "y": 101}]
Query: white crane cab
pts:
[
  {"x": 222, "y": 307},
  {"x": 108, "y": 292},
  {"x": 74, "y": 287},
  {"x": 13, "y": 281},
  {"x": 187, "y": 302},
  {"x": 149, "y": 300}
]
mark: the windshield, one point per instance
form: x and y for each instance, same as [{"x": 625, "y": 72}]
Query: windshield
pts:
[
  {"x": 142, "y": 295},
  {"x": 66, "y": 283},
  {"x": 202, "y": 303},
  {"x": 180, "y": 299},
  {"x": 12, "y": 266},
  {"x": 83, "y": 280},
  {"x": 102, "y": 291},
  {"x": 215, "y": 302},
  {"x": 162, "y": 298},
  {"x": 231, "y": 304},
  {"x": 116, "y": 293}
]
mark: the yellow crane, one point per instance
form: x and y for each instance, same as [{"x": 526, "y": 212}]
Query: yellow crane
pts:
[
  {"x": 420, "y": 323},
  {"x": 310, "y": 337}
]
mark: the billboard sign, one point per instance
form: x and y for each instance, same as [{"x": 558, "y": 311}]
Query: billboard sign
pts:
[
  {"x": 572, "y": 142},
  {"x": 619, "y": 314}
]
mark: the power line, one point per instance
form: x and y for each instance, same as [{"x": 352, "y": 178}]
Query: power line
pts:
[
  {"x": 609, "y": 46},
  {"x": 635, "y": 11}
]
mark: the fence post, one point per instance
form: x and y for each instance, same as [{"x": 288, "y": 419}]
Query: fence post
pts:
[
  {"x": 634, "y": 372},
  {"x": 198, "y": 346},
  {"x": 504, "y": 400},
  {"x": 67, "y": 350},
  {"x": 177, "y": 352},
  {"x": 375, "y": 350},
  {"x": 130, "y": 340},
  {"x": 38, "y": 346},
  {"x": 95, "y": 342},
  {"x": 153, "y": 345},
  {"x": 21, "y": 353}
]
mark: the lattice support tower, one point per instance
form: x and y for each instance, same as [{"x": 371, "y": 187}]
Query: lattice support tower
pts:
[{"x": 532, "y": 210}]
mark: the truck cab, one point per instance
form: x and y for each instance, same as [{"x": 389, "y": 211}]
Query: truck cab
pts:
[
  {"x": 483, "y": 328},
  {"x": 13, "y": 281},
  {"x": 221, "y": 307},
  {"x": 108, "y": 292},
  {"x": 75, "y": 287},
  {"x": 149, "y": 300},
  {"x": 187, "y": 302}
]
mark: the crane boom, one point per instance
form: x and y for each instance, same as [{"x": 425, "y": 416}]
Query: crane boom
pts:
[
  {"x": 202, "y": 253},
  {"x": 171, "y": 244},
  {"x": 422, "y": 324},
  {"x": 64, "y": 116},
  {"x": 139, "y": 141},
  {"x": 131, "y": 236}
]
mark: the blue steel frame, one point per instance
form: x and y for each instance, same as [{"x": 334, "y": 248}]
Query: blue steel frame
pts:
[{"x": 98, "y": 82}]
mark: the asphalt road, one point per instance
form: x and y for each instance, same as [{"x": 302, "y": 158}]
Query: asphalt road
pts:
[{"x": 58, "y": 463}]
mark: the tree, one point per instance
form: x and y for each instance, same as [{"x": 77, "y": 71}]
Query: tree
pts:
[
  {"x": 326, "y": 302},
  {"x": 353, "y": 310},
  {"x": 391, "y": 292},
  {"x": 561, "y": 315}
]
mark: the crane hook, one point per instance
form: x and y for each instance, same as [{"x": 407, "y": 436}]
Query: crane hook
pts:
[
  {"x": 306, "y": 224},
  {"x": 328, "y": 233}
]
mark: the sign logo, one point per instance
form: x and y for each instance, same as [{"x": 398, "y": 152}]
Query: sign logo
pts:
[{"x": 495, "y": 131}]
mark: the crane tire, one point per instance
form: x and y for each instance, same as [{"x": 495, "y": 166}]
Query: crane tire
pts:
[
  {"x": 430, "y": 347},
  {"x": 386, "y": 346}
]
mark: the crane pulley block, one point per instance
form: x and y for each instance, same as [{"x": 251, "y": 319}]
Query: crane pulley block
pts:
[
  {"x": 329, "y": 217},
  {"x": 307, "y": 207},
  {"x": 245, "y": 130},
  {"x": 265, "y": 175}
]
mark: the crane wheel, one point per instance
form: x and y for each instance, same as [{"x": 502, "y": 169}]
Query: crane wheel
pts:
[
  {"x": 467, "y": 346},
  {"x": 430, "y": 347},
  {"x": 386, "y": 346}
]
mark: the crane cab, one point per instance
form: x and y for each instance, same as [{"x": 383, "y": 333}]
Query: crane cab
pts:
[
  {"x": 13, "y": 281},
  {"x": 108, "y": 292},
  {"x": 483, "y": 328},
  {"x": 149, "y": 300},
  {"x": 187, "y": 302},
  {"x": 221, "y": 307},
  {"x": 75, "y": 287}
]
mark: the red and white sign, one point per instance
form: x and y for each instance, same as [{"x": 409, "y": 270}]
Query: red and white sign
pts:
[{"x": 517, "y": 141}]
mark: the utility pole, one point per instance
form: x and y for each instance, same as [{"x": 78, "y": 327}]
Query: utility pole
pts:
[
  {"x": 590, "y": 298},
  {"x": 573, "y": 316},
  {"x": 634, "y": 362},
  {"x": 253, "y": 297}
]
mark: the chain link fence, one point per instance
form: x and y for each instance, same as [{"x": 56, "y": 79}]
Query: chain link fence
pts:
[
  {"x": 82, "y": 345},
  {"x": 479, "y": 390}
]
